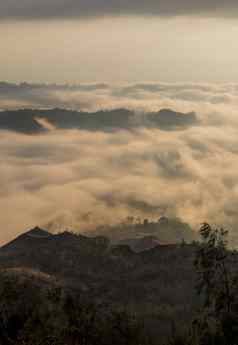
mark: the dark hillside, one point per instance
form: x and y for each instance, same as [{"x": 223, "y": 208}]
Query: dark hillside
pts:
[{"x": 156, "y": 283}]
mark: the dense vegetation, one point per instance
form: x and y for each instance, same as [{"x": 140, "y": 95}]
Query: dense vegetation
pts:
[
  {"x": 35, "y": 310},
  {"x": 217, "y": 283},
  {"x": 48, "y": 315}
]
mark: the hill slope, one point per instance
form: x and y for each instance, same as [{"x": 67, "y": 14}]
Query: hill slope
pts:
[{"x": 158, "y": 283}]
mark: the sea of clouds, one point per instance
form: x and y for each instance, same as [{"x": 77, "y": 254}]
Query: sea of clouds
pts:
[{"x": 79, "y": 179}]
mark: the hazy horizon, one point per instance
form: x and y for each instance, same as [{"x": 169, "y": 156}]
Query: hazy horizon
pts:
[{"x": 119, "y": 49}]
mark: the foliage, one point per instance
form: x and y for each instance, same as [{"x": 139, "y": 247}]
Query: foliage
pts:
[
  {"x": 217, "y": 284},
  {"x": 52, "y": 316}
]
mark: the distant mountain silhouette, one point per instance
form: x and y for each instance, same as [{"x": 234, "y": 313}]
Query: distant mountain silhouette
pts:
[{"x": 29, "y": 120}]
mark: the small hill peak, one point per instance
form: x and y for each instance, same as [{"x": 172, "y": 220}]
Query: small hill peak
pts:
[{"x": 38, "y": 232}]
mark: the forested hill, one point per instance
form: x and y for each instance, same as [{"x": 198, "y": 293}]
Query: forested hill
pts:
[{"x": 156, "y": 281}]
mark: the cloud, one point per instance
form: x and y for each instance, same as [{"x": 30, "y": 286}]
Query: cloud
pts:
[
  {"x": 33, "y": 9},
  {"x": 92, "y": 97},
  {"x": 81, "y": 178}
]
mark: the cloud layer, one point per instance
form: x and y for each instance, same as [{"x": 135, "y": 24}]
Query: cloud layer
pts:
[
  {"x": 85, "y": 8},
  {"x": 79, "y": 178}
]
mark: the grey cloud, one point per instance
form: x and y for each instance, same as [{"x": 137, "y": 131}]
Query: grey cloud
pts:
[
  {"x": 32, "y": 9},
  {"x": 92, "y": 97},
  {"x": 133, "y": 203},
  {"x": 171, "y": 165},
  {"x": 46, "y": 95}
]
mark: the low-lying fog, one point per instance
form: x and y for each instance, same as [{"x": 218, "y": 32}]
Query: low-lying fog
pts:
[{"x": 82, "y": 178}]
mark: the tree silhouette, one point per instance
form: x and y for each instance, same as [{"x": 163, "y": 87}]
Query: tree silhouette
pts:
[{"x": 218, "y": 286}]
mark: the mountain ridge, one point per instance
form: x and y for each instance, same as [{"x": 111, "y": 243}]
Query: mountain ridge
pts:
[{"x": 30, "y": 121}]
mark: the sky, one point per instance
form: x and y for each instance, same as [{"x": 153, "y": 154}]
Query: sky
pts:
[{"x": 118, "y": 41}]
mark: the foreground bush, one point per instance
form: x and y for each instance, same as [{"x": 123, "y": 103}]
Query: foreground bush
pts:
[{"x": 39, "y": 315}]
